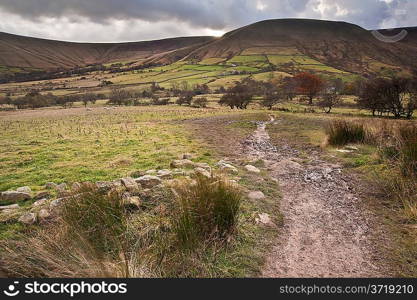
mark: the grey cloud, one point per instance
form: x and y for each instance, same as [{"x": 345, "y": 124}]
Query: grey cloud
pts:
[{"x": 190, "y": 16}]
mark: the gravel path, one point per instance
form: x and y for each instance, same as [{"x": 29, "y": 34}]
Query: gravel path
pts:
[{"x": 326, "y": 232}]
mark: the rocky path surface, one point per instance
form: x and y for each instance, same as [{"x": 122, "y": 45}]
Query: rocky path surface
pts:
[{"x": 326, "y": 231}]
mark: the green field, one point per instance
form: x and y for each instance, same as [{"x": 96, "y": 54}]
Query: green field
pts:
[{"x": 74, "y": 145}]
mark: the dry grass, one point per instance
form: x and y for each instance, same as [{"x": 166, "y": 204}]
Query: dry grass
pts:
[
  {"x": 95, "y": 236},
  {"x": 206, "y": 211},
  {"x": 342, "y": 132}
]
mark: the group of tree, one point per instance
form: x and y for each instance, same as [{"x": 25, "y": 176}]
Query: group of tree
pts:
[
  {"x": 156, "y": 96},
  {"x": 241, "y": 94},
  {"x": 35, "y": 99},
  {"x": 396, "y": 96}
]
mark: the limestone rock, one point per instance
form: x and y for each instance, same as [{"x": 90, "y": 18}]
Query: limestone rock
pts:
[
  {"x": 42, "y": 195},
  {"x": 9, "y": 207},
  {"x": 148, "y": 181},
  {"x": 132, "y": 203},
  {"x": 256, "y": 195},
  {"x": 14, "y": 196},
  {"x": 38, "y": 203},
  {"x": 56, "y": 203},
  {"x": 264, "y": 219},
  {"x": 104, "y": 186},
  {"x": 224, "y": 166},
  {"x": 24, "y": 189},
  {"x": 62, "y": 190},
  {"x": 164, "y": 174},
  {"x": 130, "y": 184},
  {"x": 43, "y": 214},
  {"x": 202, "y": 172},
  {"x": 205, "y": 166},
  {"x": 76, "y": 186},
  {"x": 252, "y": 169},
  {"x": 182, "y": 163},
  {"x": 28, "y": 218}
]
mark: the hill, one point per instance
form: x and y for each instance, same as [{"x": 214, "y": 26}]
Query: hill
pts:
[
  {"x": 337, "y": 44},
  {"x": 285, "y": 45},
  {"x": 27, "y": 52}
]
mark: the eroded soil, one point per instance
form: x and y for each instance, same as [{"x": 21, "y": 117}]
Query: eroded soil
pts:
[{"x": 326, "y": 231}]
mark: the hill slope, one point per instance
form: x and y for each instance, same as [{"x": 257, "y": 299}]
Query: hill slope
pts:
[
  {"x": 284, "y": 44},
  {"x": 337, "y": 44},
  {"x": 27, "y": 52}
]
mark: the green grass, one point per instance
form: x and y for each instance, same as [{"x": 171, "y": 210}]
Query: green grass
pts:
[
  {"x": 212, "y": 61},
  {"x": 54, "y": 145},
  {"x": 242, "y": 59}
]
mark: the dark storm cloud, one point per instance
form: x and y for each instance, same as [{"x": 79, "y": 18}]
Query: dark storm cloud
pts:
[
  {"x": 201, "y": 13},
  {"x": 140, "y": 19}
]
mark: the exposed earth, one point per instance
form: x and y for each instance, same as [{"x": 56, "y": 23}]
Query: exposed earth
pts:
[{"x": 326, "y": 232}]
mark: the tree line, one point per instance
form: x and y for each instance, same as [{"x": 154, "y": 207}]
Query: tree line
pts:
[
  {"x": 395, "y": 96},
  {"x": 382, "y": 96},
  {"x": 34, "y": 99}
]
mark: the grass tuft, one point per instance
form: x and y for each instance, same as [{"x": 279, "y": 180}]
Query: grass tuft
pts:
[
  {"x": 342, "y": 132},
  {"x": 207, "y": 210}
]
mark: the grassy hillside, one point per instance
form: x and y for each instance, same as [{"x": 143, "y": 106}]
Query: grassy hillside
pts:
[
  {"x": 26, "y": 52},
  {"x": 322, "y": 45}
]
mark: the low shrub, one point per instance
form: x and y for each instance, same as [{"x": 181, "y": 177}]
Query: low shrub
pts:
[{"x": 200, "y": 102}]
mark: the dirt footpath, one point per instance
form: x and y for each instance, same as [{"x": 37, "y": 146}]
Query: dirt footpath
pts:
[{"x": 326, "y": 232}]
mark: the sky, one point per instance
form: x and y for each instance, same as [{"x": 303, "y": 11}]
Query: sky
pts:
[{"x": 136, "y": 20}]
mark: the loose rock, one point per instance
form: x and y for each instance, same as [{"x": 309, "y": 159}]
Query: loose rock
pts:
[
  {"x": 182, "y": 163},
  {"x": 39, "y": 203},
  {"x": 202, "y": 172},
  {"x": 61, "y": 187},
  {"x": 148, "y": 181},
  {"x": 224, "y": 166},
  {"x": 256, "y": 195},
  {"x": 11, "y": 206},
  {"x": 130, "y": 184},
  {"x": 104, "y": 186},
  {"x": 164, "y": 174},
  {"x": 42, "y": 195},
  {"x": 205, "y": 166},
  {"x": 75, "y": 186},
  {"x": 14, "y": 196},
  {"x": 252, "y": 169},
  {"x": 28, "y": 218},
  {"x": 132, "y": 203},
  {"x": 264, "y": 219},
  {"x": 24, "y": 189},
  {"x": 43, "y": 214}
]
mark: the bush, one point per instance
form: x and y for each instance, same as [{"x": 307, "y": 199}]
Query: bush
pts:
[
  {"x": 159, "y": 101},
  {"x": 200, "y": 102},
  {"x": 186, "y": 97},
  {"x": 207, "y": 210},
  {"x": 341, "y": 132}
]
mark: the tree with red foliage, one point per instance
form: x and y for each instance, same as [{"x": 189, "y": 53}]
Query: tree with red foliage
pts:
[{"x": 309, "y": 85}]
